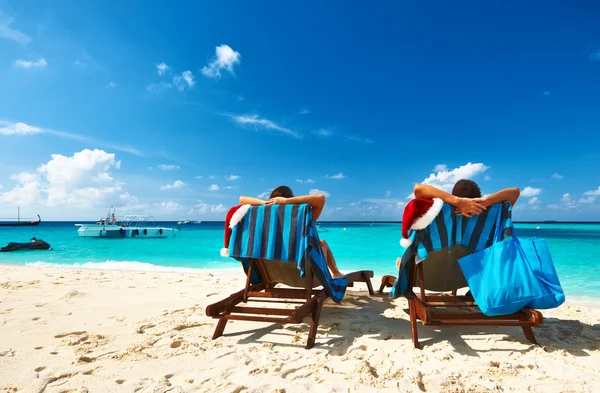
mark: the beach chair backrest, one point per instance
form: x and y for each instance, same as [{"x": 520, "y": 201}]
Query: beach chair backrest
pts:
[
  {"x": 283, "y": 242},
  {"x": 278, "y": 272},
  {"x": 450, "y": 237},
  {"x": 441, "y": 272}
]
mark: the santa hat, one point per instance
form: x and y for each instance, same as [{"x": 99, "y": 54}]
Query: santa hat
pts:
[
  {"x": 234, "y": 215},
  {"x": 418, "y": 214}
]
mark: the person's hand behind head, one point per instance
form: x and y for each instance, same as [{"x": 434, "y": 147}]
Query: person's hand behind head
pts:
[
  {"x": 469, "y": 207},
  {"x": 277, "y": 201}
]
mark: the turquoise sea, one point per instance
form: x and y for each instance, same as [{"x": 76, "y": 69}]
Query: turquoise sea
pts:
[{"x": 575, "y": 249}]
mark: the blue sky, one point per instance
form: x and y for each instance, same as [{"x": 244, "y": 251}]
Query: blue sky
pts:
[{"x": 176, "y": 110}]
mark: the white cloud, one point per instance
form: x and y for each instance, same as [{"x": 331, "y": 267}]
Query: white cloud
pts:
[
  {"x": 446, "y": 179},
  {"x": 533, "y": 201},
  {"x": 327, "y": 132},
  {"x": 19, "y": 129},
  {"x": 530, "y": 192},
  {"x": 168, "y": 167},
  {"x": 589, "y": 199},
  {"x": 388, "y": 193},
  {"x": 316, "y": 191},
  {"x": 199, "y": 177},
  {"x": 31, "y": 64},
  {"x": 337, "y": 177},
  {"x": 111, "y": 85},
  {"x": 356, "y": 138},
  {"x": 308, "y": 181},
  {"x": 158, "y": 87},
  {"x": 566, "y": 202},
  {"x": 487, "y": 177},
  {"x": 162, "y": 68},
  {"x": 264, "y": 195},
  {"x": 557, "y": 176},
  {"x": 169, "y": 207},
  {"x": 440, "y": 168},
  {"x": 7, "y": 32},
  {"x": 214, "y": 187},
  {"x": 177, "y": 184},
  {"x": 183, "y": 81},
  {"x": 304, "y": 112},
  {"x": 324, "y": 132},
  {"x": 232, "y": 177},
  {"x": 81, "y": 180},
  {"x": 212, "y": 177},
  {"x": 188, "y": 77},
  {"x": 255, "y": 120},
  {"x": 592, "y": 192},
  {"x": 203, "y": 208},
  {"x": 225, "y": 58}
]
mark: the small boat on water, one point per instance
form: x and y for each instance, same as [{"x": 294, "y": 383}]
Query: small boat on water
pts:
[
  {"x": 129, "y": 227},
  {"x": 33, "y": 244},
  {"x": 187, "y": 221},
  {"x": 20, "y": 222}
]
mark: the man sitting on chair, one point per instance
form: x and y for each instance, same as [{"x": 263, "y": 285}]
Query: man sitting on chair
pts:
[
  {"x": 466, "y": 197},
  {"x": 283, "y": 195}
]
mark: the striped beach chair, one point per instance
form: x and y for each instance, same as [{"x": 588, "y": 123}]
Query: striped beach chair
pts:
[
  {"x": 279, "y": 245},
  {"x": 431, "y": 264}
]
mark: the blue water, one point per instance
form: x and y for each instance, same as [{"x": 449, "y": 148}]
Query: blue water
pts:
[{"x": 575, "y": 249}]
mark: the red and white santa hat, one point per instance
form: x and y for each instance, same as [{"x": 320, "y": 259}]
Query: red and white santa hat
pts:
[
  {"x": 418, "y": 214},
  {"x": 234, "y": 215}
]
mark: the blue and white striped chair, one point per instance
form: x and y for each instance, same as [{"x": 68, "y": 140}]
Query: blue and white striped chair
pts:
[
  {"x": 431, "y": 264},
  {"x": 279, "y": 244}
]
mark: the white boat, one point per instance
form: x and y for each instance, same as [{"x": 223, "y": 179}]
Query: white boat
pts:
[{"x": 129, "y": 227}]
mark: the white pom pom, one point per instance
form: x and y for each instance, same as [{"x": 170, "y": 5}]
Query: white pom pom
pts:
[
  {"x": 224, "y": 252},
  {"x": 405, "y": 243}
]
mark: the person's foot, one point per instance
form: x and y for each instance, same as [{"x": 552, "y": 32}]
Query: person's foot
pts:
[{"x": 336, "y": 274}]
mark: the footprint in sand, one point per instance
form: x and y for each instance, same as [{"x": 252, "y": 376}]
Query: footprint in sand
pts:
[
  {"x": 10, "y": 353},
  {"x": 41, "y": 368},
  {"x": 120, "y": 381}
]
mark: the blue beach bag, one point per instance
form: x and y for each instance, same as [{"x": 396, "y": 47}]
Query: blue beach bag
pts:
[{"x": 512, "y": 274}]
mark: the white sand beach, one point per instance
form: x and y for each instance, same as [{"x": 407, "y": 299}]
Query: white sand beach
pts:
[{"x": 70, "y": 330}]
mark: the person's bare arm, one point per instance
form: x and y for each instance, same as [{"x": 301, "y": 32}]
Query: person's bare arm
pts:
[
  {"x": 244, "y": 200},
  {"x": 467, "y": 206},
  {"x": 317, "y": 202},
  {"x": 507, "y": 195}
]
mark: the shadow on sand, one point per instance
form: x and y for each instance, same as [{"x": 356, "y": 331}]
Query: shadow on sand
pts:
[{"x": 361, "y": 315}]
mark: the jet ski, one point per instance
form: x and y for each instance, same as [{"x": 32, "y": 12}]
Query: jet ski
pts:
[{"x": 33, "y": 244}]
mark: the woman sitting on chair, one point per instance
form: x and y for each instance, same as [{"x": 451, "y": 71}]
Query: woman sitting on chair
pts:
[{"x": 283, "y": 195}]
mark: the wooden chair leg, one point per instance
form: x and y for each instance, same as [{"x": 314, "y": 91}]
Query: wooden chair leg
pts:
[
  {"x": 413, "y": 323},
  {"x": 386, "y": 281},
  {"x": 369, "y": 285},
  {"x": 529, "y": 334},
  {"x": 314, "y": 324},
  {"x": 220, "y": 328}
]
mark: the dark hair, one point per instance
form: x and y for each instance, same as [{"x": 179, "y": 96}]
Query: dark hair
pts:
[
  {"x": 466, "y": 189},
  {"x": 282, "y": 191}
]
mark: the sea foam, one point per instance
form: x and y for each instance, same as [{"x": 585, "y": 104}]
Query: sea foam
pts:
[{"x": 120, "y": 265}]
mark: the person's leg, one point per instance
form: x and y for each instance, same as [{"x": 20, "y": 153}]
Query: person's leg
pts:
[{"x": 330, "y": 260}]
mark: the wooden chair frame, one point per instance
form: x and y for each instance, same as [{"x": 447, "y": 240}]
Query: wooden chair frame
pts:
[
  {"x": 431, "y": 309},
  {"x": 310, "y": 300}
]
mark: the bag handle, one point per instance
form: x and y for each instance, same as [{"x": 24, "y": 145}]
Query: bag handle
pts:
[{"x": 500, "y": 228}]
